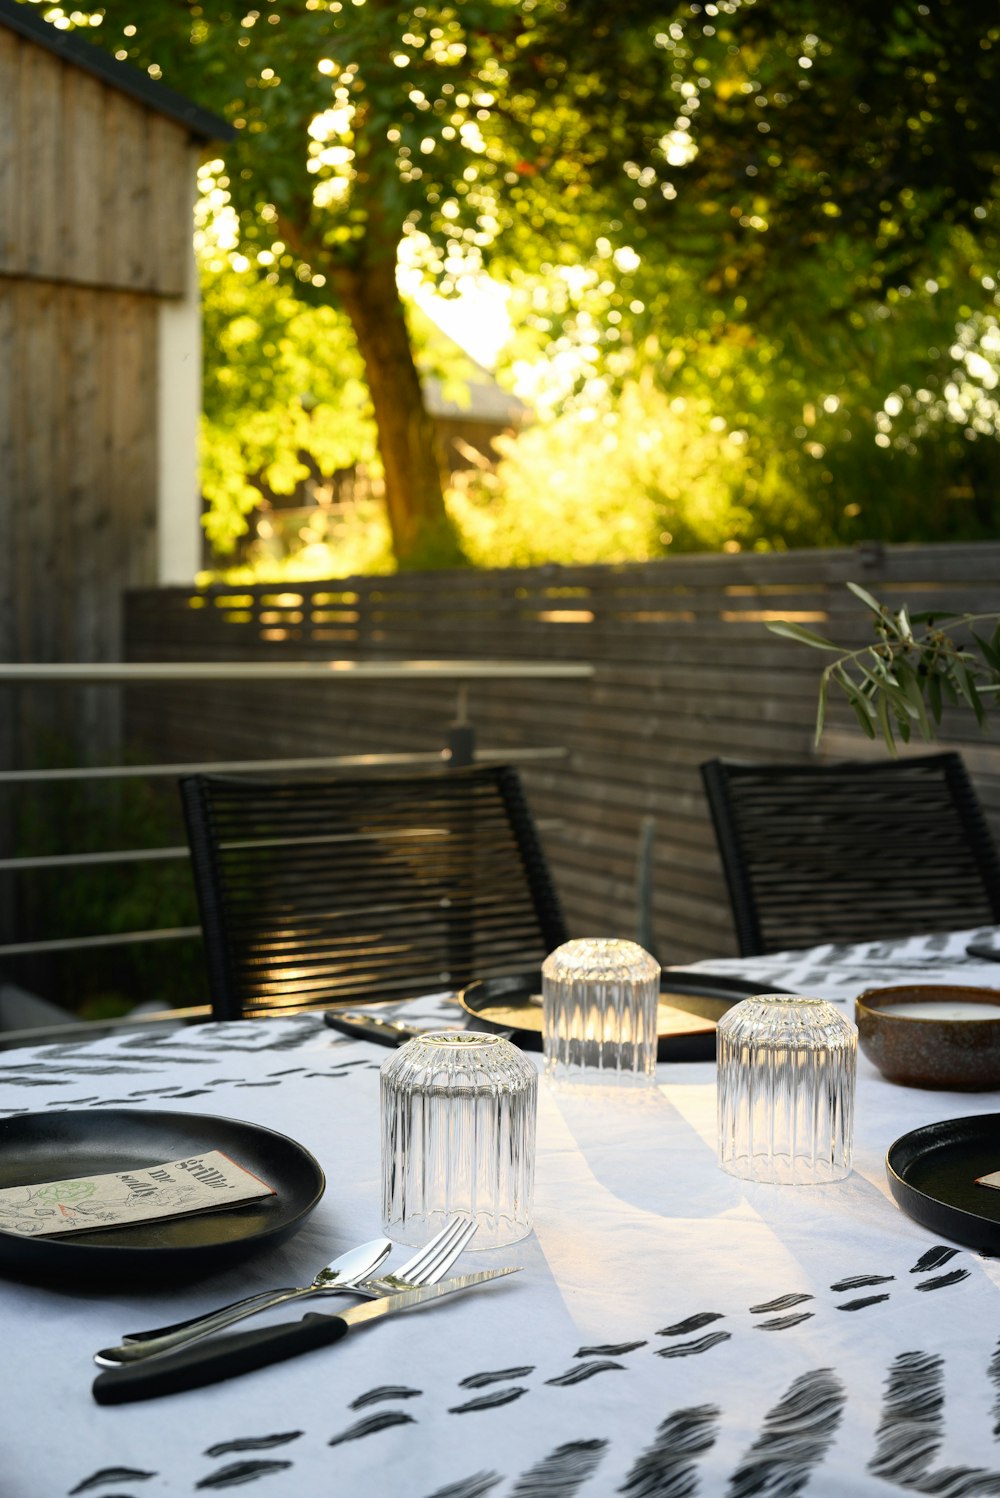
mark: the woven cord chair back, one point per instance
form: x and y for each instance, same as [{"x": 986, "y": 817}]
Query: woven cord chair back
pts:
[
  {"x": 318, "y": 892},
  {"x": 853, "y": 851}
]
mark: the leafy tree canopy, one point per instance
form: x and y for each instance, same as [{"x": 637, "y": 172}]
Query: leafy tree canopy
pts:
[{"x": 745, "y": 194}]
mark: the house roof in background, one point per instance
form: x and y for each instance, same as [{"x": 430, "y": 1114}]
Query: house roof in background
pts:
[
  {"x": 482, "y": 400},
  {"x": 70, "y": 47}
]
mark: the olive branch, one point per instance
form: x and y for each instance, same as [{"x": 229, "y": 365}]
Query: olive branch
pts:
[{"x": 915, "y": 667}]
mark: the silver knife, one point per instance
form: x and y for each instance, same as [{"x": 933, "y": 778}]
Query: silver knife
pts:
[
  {"x": 371, "y": 1027},
  {"x": 225, "y": 1357}
]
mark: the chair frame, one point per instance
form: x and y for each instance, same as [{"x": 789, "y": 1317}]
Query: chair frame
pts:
[
  {"x": 230, "y": 995},
  {"x": 721, "y": 776}
]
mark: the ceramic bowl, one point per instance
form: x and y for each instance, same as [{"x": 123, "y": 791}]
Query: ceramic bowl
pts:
[{"x": 932, "y": 1035}]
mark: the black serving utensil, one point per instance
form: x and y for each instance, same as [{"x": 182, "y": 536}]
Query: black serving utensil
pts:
[
  {"x": 390, "y": 1031},
  {"x": 372, "y": 1027},
  {"x": 983, "y": 949},
  {"x": 226, "y": 1357}
]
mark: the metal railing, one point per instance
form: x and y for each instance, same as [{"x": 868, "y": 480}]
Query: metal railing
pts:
[{"x": 458, "y": 749}]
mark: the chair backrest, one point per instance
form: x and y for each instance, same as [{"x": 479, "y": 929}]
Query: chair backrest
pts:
[
  {"x": 322, "y": 891},
  {"x": 853, "y": 851}
]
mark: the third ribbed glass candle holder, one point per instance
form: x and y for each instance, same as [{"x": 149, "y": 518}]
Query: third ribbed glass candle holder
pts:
[
  {"x": 785, "y": 1076},
  {"x": 599, "y": 1003}
]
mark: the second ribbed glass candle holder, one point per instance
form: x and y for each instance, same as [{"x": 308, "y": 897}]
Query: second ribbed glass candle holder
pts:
[
  {"x": 785, "y": 1075},
  {"x": 599, "y": 1009},
  {"x": 458, "y": 1137}
]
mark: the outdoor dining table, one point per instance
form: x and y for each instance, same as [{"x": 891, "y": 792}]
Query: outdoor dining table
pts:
[{"x": 674, "y": 1330}]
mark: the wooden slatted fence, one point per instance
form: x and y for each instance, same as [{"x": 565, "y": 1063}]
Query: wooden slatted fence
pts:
[{"x": 685, "y": 670}]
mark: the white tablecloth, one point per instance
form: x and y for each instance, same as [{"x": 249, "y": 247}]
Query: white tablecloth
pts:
[{"x": 675, "y": 1331}]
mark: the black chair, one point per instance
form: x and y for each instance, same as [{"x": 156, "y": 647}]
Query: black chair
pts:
[
  {"x": 851, "y": 852},
  {"x": 327, "y": 891}
]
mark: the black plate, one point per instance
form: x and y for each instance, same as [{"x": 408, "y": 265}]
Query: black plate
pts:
[
  {"x": 690, "y": 1006},
  {"x": 57, "y": 1146},
  {"x": 932, "y": 1173}
]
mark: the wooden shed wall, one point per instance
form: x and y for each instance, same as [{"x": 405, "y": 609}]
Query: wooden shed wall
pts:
[
  {"x": 685, "y": 670},
  {"x": 95, "y": 188},
  {"x": 77, "y": 459}
]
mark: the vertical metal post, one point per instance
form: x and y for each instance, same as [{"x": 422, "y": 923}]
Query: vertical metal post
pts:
[
  {"x": 461, "y": 748},
  {"x": 644, "y": 885}
]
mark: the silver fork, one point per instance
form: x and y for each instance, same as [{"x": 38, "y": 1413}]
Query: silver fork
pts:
[{"x": 425, "y": 1268}]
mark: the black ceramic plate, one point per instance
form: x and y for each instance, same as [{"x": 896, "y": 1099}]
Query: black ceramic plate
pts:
[
  {"x": 932, "y": 1174},
  {"x": 57, "y": 1146},
  {"x": 690, "y": 1006}
]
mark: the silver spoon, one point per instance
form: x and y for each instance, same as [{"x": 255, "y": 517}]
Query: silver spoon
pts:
[{"x": 357, "y": 1264}]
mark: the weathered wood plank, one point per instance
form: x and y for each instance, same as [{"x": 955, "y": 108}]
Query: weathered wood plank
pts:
[
  {"x": 170, "y": 170},
  {"x": 119, "y": 166},
  {"x": 85, "y": 475},
  {"x": 10, "y": 155},
  {"x": 132, "y": 375},
  {"x": 83, "y": 227}
]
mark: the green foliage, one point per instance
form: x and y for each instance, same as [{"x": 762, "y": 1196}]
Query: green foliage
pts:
[
  {"x": 285, "y": 400},
  {"x": 781, "y": 208},
  {"x": 625, "y": 481},
  {"x": 899, "y": 685},
  {"x": 768, "y": 154},
  {"x": 760, "y": 141},
  {"x": 284, "y": 389},
  {"x": 350, "y": 541}
]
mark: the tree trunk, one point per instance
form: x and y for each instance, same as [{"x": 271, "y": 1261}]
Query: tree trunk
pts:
[{"x": 422, "y": 533}]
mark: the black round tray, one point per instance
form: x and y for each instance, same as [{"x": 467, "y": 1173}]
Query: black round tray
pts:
[
  {"x": 932, "y": 1175},
  {"x": 690, "y": 1006}
]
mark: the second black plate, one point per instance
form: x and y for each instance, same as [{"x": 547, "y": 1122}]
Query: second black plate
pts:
[
  {"x": 932, "y": 1175},
  {"x": 690, "y": 1006},
  {"x": 60, "y": 1145}
]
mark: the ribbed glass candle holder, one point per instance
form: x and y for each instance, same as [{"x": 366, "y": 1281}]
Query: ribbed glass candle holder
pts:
[
  {"x": 786, "y": 1068},
  {"x": 458, "y": 1137},
  {"x": 599, "y": 1003}
]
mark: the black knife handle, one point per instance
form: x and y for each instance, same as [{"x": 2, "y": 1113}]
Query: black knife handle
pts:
[{"x": 210, "y": 1362}]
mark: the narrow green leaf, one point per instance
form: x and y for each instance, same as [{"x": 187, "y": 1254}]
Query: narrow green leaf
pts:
[
  {"x": 863, "y": 718},
  {"x": 967, "y": 687},
  {"x": 881, "y": 678},
  {"x": 824, "y": 686},
  {"x": 858, "y": 700},
  {"x": 934, "y": 695},
  {"x": 885, "y": 722},
  {"x": 990, "y": 655},
  {"x": 804, "y": 636},
  {"x": 896, "y": 701},
  {"x": 866, "y": 598},
  {"x": 910, "y": 683}
]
